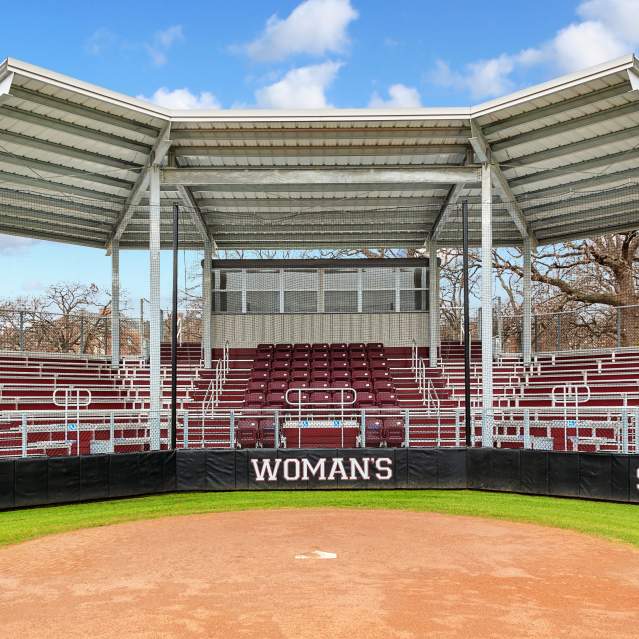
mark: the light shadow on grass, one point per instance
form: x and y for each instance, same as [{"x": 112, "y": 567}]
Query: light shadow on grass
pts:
[{"x": 613, "y": 521}]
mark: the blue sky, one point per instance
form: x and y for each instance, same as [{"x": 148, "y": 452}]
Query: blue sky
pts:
[{"x": 268, "y": 53}]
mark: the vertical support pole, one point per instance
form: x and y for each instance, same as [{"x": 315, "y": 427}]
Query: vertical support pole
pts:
[
  {"x": 111, "y": 433},
  {"x": 155, "y": 319},
  {"x": 624, "y": 427},
  {"x": 174, "y": 326},
  {"x": 185, "y": 430},
  {"x": 406, "y": 428},
  {"x": 558, "y": 345},
  {"x": 434, "y": 304},
  {"x": 142, "y": 331},
  {"x": 115, "y": 304},
  {"x": 207, "y": 293},
  {"x": 276, "y": 426},
  {"x": 25, "y": 435},
  {"x": 232, "y": 429},
  {"x": 526, "y": 333},
  {"x": 363, "y": 429},
  {"x": 22, "y": 331},
  {"x": 466, "y": 285},
  {"x": 618, "y": 314},
  {"x": 82, "y": 335},
  {"x": 527, "y": 440},
  {"x": 360, "y": 292},
  {"x": 487, "y": 304}
]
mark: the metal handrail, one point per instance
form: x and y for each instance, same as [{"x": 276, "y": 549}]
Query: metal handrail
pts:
[{"x": 214, "y": 390}]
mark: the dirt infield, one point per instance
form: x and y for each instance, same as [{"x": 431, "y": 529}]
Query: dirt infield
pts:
[{"x": 319, "y": 573}]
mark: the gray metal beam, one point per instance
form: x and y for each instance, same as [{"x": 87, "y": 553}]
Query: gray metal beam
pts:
[
  {"x": 484, "y": 153},
  {"x": 194, "y": 211},
  {"x": 57, "y": 187},
  {"x": 64, "y": 151},
  {"x": 560, "y": 128},
  {"x": 292, "y": 177},
  {"x": 40, "y": 166},
  {"x": 575, "y": 167},
  {"x": 156, "y": 155},
  {"x": 534, "y": 115},
  {"x": 94, "y": 115},
  {"x": 82, "y": 132}
]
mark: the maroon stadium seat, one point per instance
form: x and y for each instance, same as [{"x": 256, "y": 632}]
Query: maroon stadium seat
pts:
[
  {"x": 277, "y": 387},
  {"x": 262, "y": 364},
  {"x": 301, "y": 364},
  {"x": 386, "y": 399},
  {"x": 300, "y": 375},
  {"x": 340, "y": 374},
  {"x": 280, "y": 375},
  {"x": 383, "y": 385},
  {"x": 364, "y": 399},
  {"x": 259, "y": 375},
  {"x": 320, "y": 347},
  {"x": 318, "y": 365},
  {"x": 361, "y": 373},
  {"x": 394, "y": 431},
  {"x": 297, "y": 384},
  {"x": 320, "y": 398},
  {"x": 374, "y": 431},
  {"x": 380, "y": 373},
  {"x": 258, "y": 386},
  {"x": 276, "y": 400},
  {"x": 362, "y": 385},
  {"x": 266, "y": 433},
  {"x": 320, "y": 375},
  {"x": 246, "y": 433},
  {"x": 254, "y": 400}
]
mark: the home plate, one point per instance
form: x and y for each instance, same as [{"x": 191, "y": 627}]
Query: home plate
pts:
[{"x": 318, "y": 554}]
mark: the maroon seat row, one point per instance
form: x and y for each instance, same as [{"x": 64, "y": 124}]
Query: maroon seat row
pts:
[
  {"x": 263, "y": 386},
  {"x": 321, "y": 399},
  {"x": 356, "y": 346},
  {"x": 336, "y": 374}
]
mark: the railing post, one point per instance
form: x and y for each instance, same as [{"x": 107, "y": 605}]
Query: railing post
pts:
[
  {"x": 527, "y": 440},
  {"x": 82, "y": 336},
  {"x": 24, "y": 435},
  {"x": 185, "y": 430},
  {"x": 618, "y": 326},
  {"x": 22, "y": 331},
  {"x": 558, "y": 344},
  {"x": 457, "y": 429},
  {"x": 363, "y": 429},
  {"x": 112, "y": 432},
  {"x": 624, "y": 429},
  {"x": 276, "y": 426},
  {"x": 232, "y": 429},
  {"x": 406, "y": 429},
  {"x": 637, "y": 430}
]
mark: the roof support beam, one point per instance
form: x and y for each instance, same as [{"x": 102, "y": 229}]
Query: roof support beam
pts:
[
  {"x": 5, "y": 87},
  {"x": 194, "y": 211},
  {"x": 157, "y": 154},
  {"x": 483, "y": 152},
  {"x": 265, "y": 177}
]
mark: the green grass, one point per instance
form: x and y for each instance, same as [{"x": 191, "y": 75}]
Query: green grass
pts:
[{"x": 613, "y": 521}]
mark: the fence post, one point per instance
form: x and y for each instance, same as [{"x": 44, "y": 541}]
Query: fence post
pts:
[
  {"x": 536, "y": 333},
  {"x": 406, "y": 429},
  {"x": 618, "y": 327},
  {"x": 24, "y": 435},
  {"x": 363, "y": 429},
  {"x": 277, "y": 429},
  {"x": 558, "y": 345},
  {"x": 185, "y": 430},
  {"x": 106, "y": 336},
  {"x": 624, "y": 429},
  {"x": 112, "y": 432},
  {"x": 232, "y": 429},
  {"x": 637, "y": 430},
  {"x": 527, "y": 440},
  {"x": 22, "y": 331},
  {"x": 457, "y": 429},
  {"x": 82, "y": 336}
]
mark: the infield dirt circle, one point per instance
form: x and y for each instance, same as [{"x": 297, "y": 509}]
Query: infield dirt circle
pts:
[{"x": 319, "y": 573}]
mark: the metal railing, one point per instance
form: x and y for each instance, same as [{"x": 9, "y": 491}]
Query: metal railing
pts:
[
  {"x": 216, "y": 385},
  {"x": 596, "y": 428},
  {"x": 425, "y": 384}
]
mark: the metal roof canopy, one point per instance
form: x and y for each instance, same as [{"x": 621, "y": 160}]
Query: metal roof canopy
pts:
[{"x": 75, "y": 161}]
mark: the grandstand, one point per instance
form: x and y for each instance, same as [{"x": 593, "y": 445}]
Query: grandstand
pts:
[{"x": 313, "y": 351}]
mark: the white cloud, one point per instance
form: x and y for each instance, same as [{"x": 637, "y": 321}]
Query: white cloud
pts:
[
  {"x": 314, "y": 27},
  {"x": 12, "y": 245},
  {"x": 162, "y": 41},
  {"x": 301, "y": 88},
  {"x": 100, "y": 41},
  {"x": 608, "y": 29},
  {"x": 182, "y": 99},
  {"x": 399, "y": 95}
]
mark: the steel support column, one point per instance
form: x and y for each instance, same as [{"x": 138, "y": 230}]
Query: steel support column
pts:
[
  {"x": 526, "y": 333},
  {"x": 206, "y": 303},
  {"x": 115, "y": 304},
  {"x": 155, "y": 381},
  {"x": 434, "y": 304},
  {"x": 487, "y": 304}
]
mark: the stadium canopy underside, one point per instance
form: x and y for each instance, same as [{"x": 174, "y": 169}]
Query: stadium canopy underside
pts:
[{"x": 82, "y": 164}]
